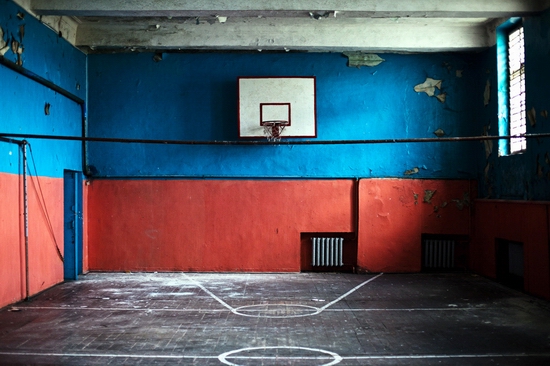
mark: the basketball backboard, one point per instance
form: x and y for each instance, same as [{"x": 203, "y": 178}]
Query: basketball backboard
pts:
[{"x": 288, "y": 101}]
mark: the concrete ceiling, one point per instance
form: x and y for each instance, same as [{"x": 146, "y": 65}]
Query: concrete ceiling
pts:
[{"x": 280, "y": 25}]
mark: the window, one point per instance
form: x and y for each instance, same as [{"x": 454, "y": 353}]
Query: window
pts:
[
  {"x": 516, "y": 90},
  {"x": 512, "y": 109}
]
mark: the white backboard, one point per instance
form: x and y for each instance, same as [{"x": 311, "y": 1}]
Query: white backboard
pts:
[{"x": 277, "y": 98}]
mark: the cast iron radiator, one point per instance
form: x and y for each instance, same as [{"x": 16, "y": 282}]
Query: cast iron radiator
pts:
[
  {"x": 327, "y": 252},
  {"x": 439, "y": 253}
]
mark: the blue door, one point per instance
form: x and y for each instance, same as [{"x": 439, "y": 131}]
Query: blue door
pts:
[{"x": 72, "y": 188}]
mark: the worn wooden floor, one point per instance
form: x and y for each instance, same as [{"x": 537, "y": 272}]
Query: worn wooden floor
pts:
[{"x": 277, "y": 319}]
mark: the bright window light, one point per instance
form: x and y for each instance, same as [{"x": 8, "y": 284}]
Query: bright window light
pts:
[{"x": 516, "y": 89}]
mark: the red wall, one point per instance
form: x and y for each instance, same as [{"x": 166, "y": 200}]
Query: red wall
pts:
[
  {"x": 45, "y": 267},
  {"x": 520, "y": 221},
  {"x": 394, "y": 213},
  {"x": 210, "y": 225}
]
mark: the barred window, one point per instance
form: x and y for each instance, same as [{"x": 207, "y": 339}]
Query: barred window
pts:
[{"x": 516, "y": 89}]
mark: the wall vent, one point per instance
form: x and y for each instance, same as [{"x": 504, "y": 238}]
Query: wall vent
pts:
[
  {"x": 327, "y": 252},
  {"x": 444, "y": 252}
]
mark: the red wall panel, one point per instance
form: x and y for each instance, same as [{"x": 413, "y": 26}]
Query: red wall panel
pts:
[
  {"x": 45, "y": 230},
  {"x": 210, "y": 225},
  {"x": 519, "y": 221},
  {"x": 394, "y": 213}
]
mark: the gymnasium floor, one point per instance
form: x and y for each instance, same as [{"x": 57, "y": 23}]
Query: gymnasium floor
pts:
[{"x": 277, "y": 319}]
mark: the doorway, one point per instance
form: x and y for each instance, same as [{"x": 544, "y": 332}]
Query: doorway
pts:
[{"x": 72, "y": 224}]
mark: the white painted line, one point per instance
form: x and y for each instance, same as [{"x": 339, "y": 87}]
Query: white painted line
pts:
[
  {"x": 334, "y": 356},
  {"x": 232, "y": 355},
  {"x": 103, "y": 355},
  {"x": 350, "y": 292},
  {"x": 210, "y": 293},
  {"x": 301, "y": 310},
  {"x": 412, "y": 357},
  {"x": 72, "y": 308}
]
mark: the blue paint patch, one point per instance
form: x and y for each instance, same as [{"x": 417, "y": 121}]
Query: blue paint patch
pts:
[{"x": 194, "y": 97}]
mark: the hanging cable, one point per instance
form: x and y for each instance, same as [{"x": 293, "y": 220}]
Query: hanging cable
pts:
[{"x": 42, "y": 201}]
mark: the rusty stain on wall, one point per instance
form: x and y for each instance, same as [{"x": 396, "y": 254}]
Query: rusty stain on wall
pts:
[
  {"x": 487, "y": 93},
  {"x": 532, "y": 115},
  {"x": 412, "y": 171},
  {"x": 428, "y": 86},
  {"x": 428, "y": 195}
]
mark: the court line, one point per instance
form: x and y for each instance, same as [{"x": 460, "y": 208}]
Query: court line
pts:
[
  {"x": 224, "y": 310},
  {"x": 210, "y": 293},
  {"x": 319, "y": 310},
  {"x": 350, "y": 292},
  {"x": 365, "y": 357}
]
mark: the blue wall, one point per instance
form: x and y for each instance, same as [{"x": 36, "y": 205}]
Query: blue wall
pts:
[
  {"x": 23, "y": 100},
  {"x": 193, "y": 96},
  {"x": 527, "y": 175}
]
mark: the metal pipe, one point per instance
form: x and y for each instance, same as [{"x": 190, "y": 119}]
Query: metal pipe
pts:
[
  {"x": 265, "y": 142},
  {"x": 26, "y": 218},
  {"x": 39, "y": 79},
  {"x": 10, "y": 141}
]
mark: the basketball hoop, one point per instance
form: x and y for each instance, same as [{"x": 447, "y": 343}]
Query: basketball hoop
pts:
[{"x": 273, "y": 129}]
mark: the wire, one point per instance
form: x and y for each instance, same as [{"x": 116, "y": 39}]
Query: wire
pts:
[{"x": 43, "y": 206}]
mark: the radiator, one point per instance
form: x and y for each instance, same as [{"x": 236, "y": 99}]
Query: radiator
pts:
[
  {"x": 439, "y": 254},
  {"x": 327, "y": 252}
]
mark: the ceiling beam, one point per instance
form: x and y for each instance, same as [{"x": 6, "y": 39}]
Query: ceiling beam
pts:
[
  {"x": 279, "y": 8},
  {"x": 377, "y": 35}
]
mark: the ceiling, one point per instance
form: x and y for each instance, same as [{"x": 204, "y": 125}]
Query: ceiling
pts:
[{"x": 280, "y": 25}]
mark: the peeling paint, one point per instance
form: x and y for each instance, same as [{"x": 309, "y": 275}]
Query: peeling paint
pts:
[
  {"x": 487, "y": 93},
  {"x": 20, "y": 15},
  {"x": 17, "y": 49},
  {"x": 3, "y": 44},
  {"x": 439, "y": 132},
  {"x": 441, "y": 97},
  {"x": 428, "y": 195},
  {"x": 544, "y": 113},
  {"x": 415, "y": 195},
  {"x": 428, "y": 86},
  {"x": 464, "y": 202},
  {"x": 540, "y": 169},
  {"x": 412, "y": 171},
  {"x": 459, "y": 73},
  {"x": 487, "y": 143},
  {"x": 47, "y": 109},
  {"x": 358, "y": 59},
  {"x": 532, "y": 115}
]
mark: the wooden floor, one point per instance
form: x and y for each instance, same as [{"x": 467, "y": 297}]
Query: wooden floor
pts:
[{"x": 277, "y": 319}]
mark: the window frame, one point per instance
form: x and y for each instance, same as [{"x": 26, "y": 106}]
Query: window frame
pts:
[{"x": 504, "y": 100}]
